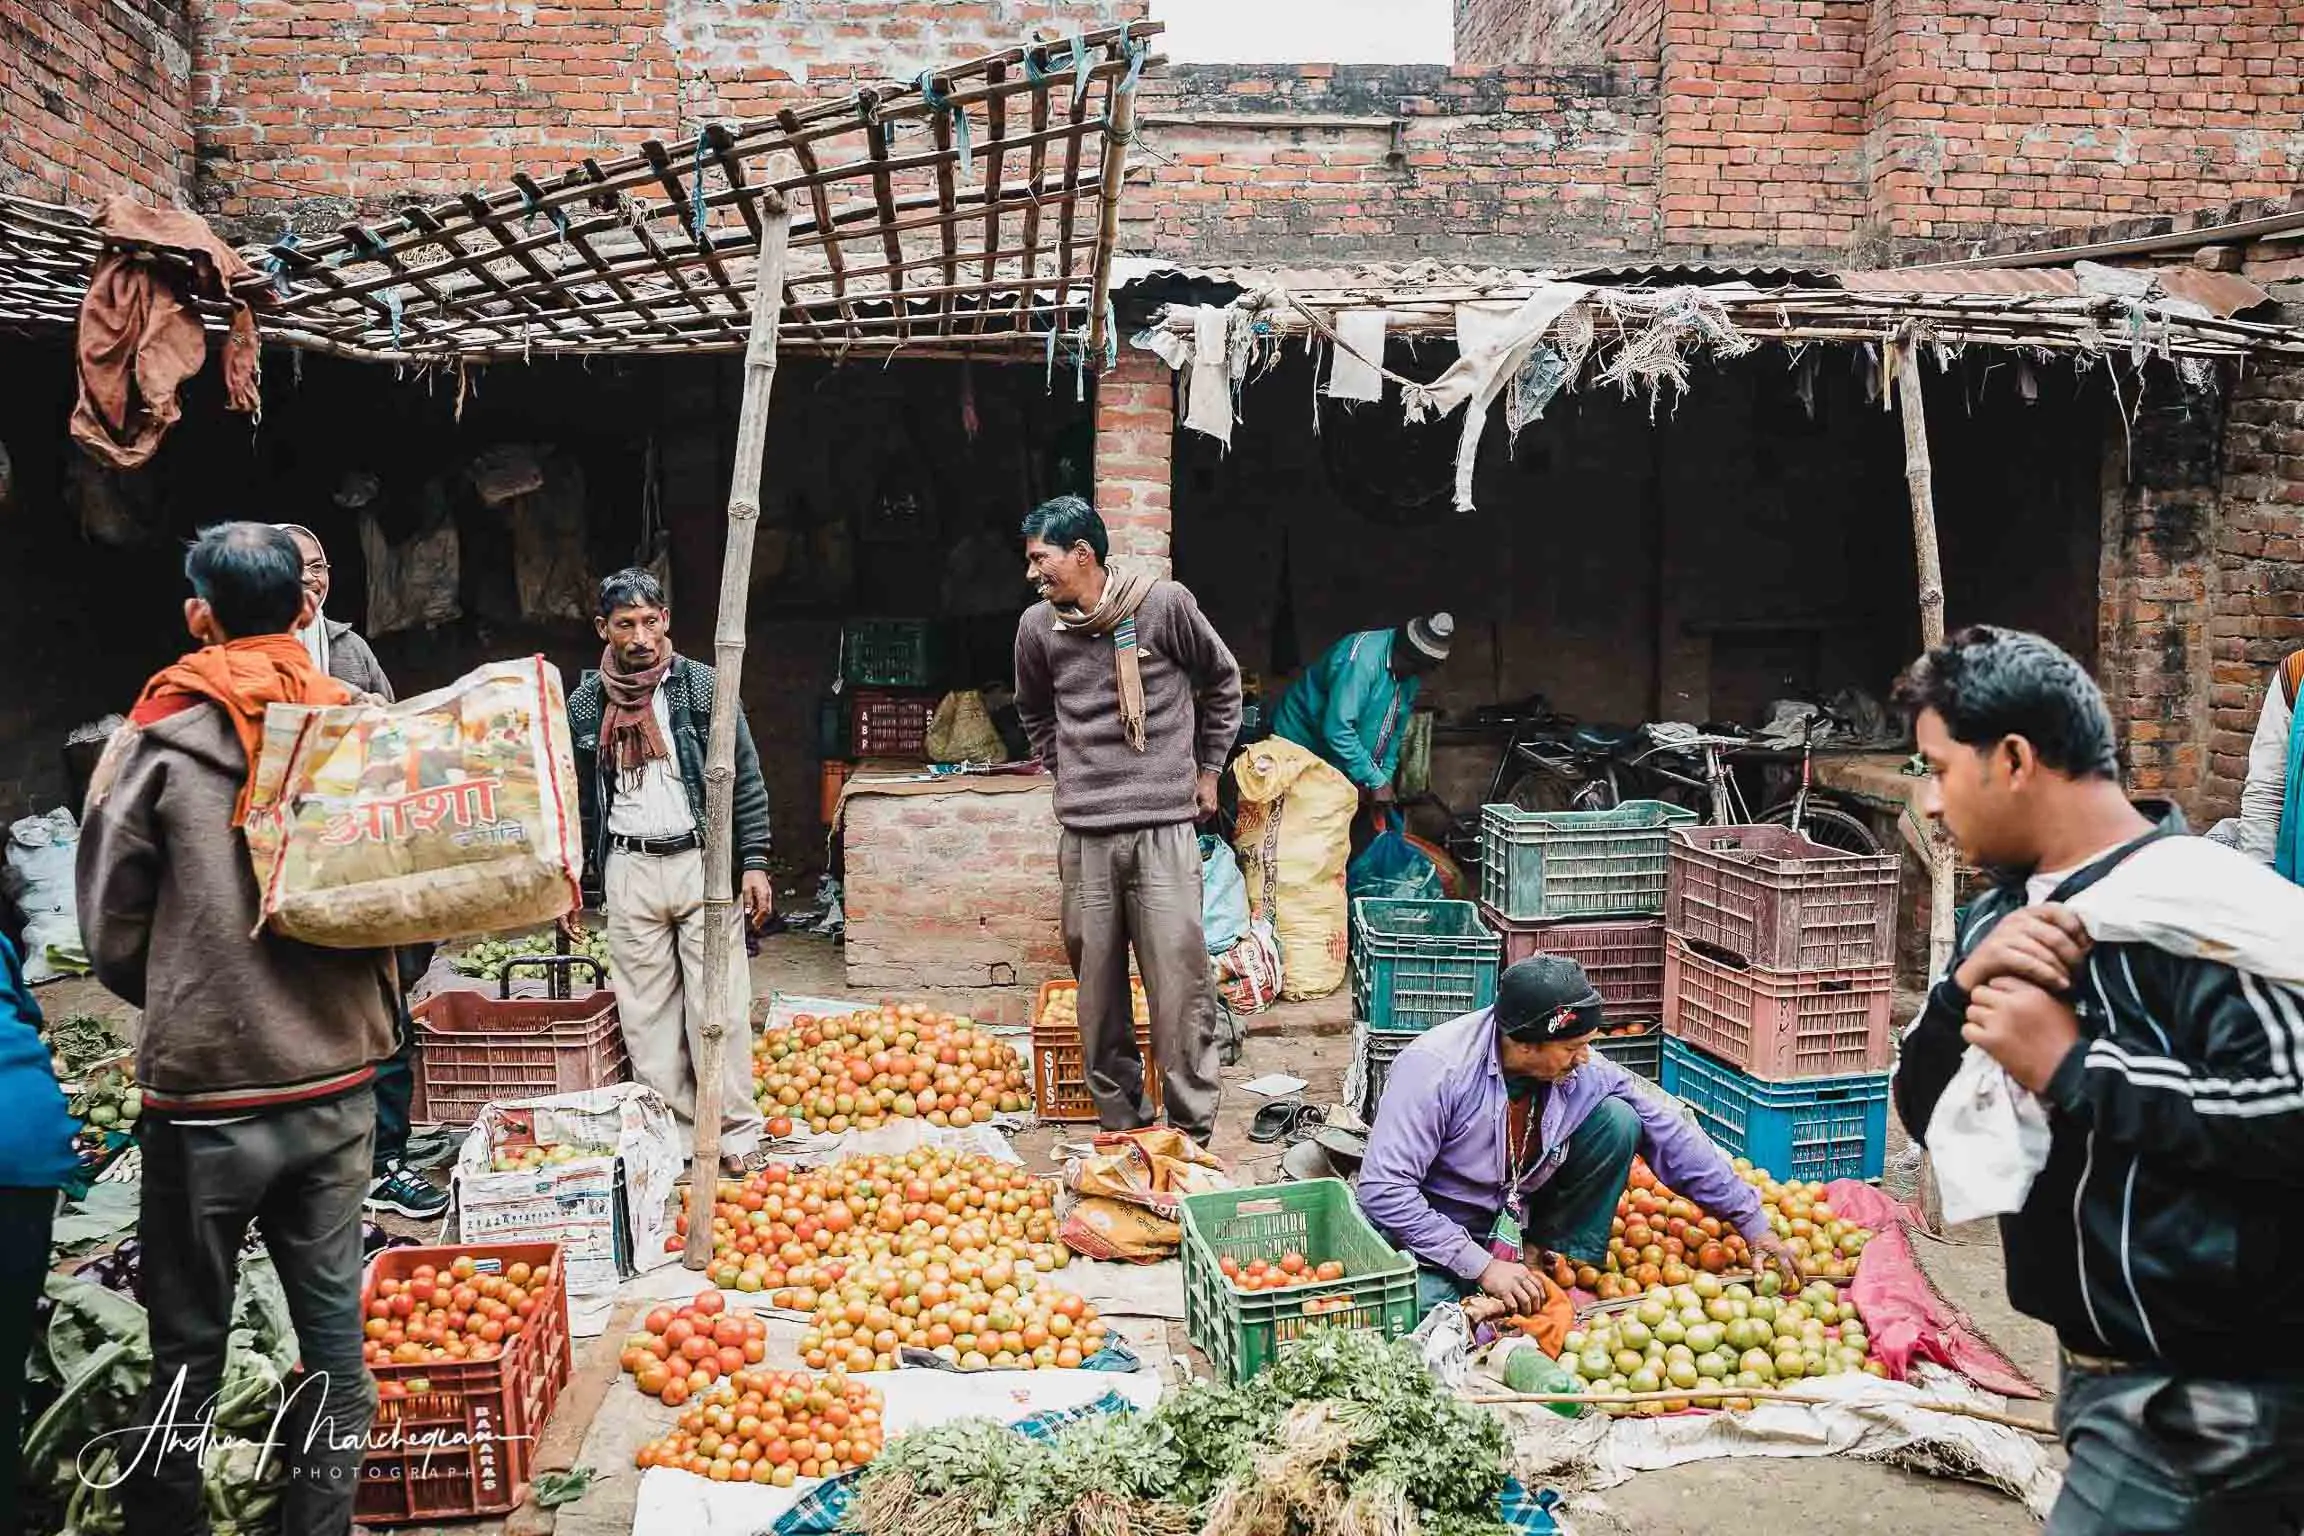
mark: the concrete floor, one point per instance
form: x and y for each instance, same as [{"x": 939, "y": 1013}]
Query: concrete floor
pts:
[{"x": 601, "y": 1421}]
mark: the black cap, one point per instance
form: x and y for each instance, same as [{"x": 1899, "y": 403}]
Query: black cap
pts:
[{"x": 1546, "y": 998}]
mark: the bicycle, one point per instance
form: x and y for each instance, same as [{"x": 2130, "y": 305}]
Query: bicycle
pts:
[{"x": 1721, "y": 800}]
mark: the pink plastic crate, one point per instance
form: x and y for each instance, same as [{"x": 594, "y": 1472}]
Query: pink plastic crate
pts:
[
  {"x": 1779, "y": 1026},
  {"x": 1625, "y": 960},
  {"x": 1772, "y": 898}
]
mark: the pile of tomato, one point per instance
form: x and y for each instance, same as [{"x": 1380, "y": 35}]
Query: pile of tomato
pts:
[
  {"x": 772, "y": 1428},
  {"x": 1284, "y": 1273},
  {"x": 797, "y": 1229},
  {"x": 1660, "y": 1238},
  {"x": 904, "y": 1061},
  {"x": 679, "y": 1351},
  {"x": 970, "y": 1310},
  {"x": 460, "y": 1314}
]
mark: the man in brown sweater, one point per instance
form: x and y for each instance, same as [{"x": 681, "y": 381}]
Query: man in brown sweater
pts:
[
  {"x": 255, "y": 1053},
  {"x": 1131, "y": 700}
]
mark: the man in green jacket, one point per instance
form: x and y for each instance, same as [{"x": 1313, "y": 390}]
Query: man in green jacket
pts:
[{"x": 1351, "y": 707}]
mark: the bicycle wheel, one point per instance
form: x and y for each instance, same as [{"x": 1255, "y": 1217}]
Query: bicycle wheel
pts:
[
  {"x": 1539, "y": 791},
  {"x": 1826, "y": 824}
]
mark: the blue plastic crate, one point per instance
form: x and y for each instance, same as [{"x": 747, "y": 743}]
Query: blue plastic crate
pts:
[
  {"x": 1823, "y": 1128},
  {"x": 1420, "y": 963}
]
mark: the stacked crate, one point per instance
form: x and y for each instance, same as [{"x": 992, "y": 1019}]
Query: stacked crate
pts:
[
  {"x": 1414, "y": 964},
  {"x": 1588, "y": 885},
  {"x": 1779, "y": 971},
  {"x": 889, "y": 669}
]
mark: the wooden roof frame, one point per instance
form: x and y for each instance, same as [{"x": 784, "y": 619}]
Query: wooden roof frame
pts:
[{"x": 971, "y": 211}]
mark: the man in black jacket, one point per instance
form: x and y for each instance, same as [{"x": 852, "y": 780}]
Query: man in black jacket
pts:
[
  {"x": 2159, "y": 1240},
  {"x": 639, "y": 726}
]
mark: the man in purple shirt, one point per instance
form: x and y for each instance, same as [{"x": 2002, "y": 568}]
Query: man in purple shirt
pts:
[{"x": 1500, "y": 1136}]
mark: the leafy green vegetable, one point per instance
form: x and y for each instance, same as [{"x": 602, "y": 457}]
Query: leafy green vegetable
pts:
[{"x": 556, "y": 1488}]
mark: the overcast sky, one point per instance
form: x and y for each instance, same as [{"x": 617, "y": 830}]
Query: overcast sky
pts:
[{"x": 1307, "y": 31}]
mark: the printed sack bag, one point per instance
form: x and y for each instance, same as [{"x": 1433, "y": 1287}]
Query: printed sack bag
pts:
[{"x": 443, "y": 815}]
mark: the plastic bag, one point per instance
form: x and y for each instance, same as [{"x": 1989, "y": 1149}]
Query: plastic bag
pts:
[
  {"x": 41, "y": 851},
  {"x": 1249, "y": 974},
  {"x": 962, "y": 731},
  {"x": 447, "y": 814},
  {"x": 1294, "y": 832},
  {"x": 1988, "y": 1139},
  {"x": 1223, "y": 895},
  {"x": 1392, "y": 866}
]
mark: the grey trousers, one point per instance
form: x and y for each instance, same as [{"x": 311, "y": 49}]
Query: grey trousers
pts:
[
  {"x": 301, "y": 1172},
  {"x": 2170, "y": 1455},
  {"x": 1141, "y": 888}
]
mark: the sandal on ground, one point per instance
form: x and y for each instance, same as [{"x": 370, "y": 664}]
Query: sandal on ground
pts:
[{"x": 1275, "y": 1120}]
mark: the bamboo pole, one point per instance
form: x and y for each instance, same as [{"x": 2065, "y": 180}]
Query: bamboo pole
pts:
[
  {"x": 1758, "y": 1395},
  {"x": 727, "y": 702},
  {"x": 1119, "y": 131},
  {"x": 1919, "y": 474}
]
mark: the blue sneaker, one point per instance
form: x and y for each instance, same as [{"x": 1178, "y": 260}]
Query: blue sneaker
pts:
[{"x": 407, "y": 1193}]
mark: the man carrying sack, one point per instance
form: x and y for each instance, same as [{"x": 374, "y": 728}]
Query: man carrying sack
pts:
[
  {"x": 256, "y": 1052},
  {"x": 1131, "y": 700},
  {"x": 639, "y": 727}
]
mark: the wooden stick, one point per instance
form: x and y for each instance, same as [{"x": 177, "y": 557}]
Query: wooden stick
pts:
[
  {"x": 727, "y": 702},
  {"x": 1120, "y": 128},
  {"x": 1758, "y": 1395}
]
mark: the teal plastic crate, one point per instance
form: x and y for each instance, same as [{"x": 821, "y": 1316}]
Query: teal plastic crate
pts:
[
  {"x": 1823, "y": 1128},
  {"x": 1420, "y": 963},
  {"x": 1540, "y": 866},
  {"x": 889, "y": 653},
  {"x": 1242, "y": 1332}
]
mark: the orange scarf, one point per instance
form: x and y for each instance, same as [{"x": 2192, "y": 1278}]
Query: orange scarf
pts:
[{"x": 243, "y": 677}]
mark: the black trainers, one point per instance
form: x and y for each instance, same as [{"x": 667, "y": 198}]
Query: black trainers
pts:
[{"x": 409, "y": 1194}]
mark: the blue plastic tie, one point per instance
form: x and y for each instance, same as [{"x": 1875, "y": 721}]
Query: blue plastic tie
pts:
[
  {"x": 697, "y": 216},
  {"x": 272, "y": 258},
  {"x": 1079, "y": 68},
  {"x": 1034, "y": 70},
  {"x": 392, "y": 303},
  {"x": 1139, "y": 53},
  {"x": 940, "y": 102}
]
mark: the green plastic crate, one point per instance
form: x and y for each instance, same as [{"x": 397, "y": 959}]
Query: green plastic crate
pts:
[
  {"x": 1537, "y": 866},
  {"x": 1241, "y": 1332},
  {"x": 889, "y": 653},
  {"x": 1420, "y": 963}
]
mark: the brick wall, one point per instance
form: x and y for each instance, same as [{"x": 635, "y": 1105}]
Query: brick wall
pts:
[
  {"x": 1510, "y": 166},
  {"x": 1135, "y": 435},
  {"x": 2011, "y": 114},
  {"x": 2157, "y": 587},
  {"x": 94, "y": 99},
  {"x": 912, "y": 926},
  {"x": 323, "y": 111},
  {"x": 2258, "y": 614}
]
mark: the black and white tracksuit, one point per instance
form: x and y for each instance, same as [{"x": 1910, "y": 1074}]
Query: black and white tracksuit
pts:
[{"x": 2163, "y": 1239}]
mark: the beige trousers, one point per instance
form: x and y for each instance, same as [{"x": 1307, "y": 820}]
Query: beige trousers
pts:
[{"x": 655, "y": 910}]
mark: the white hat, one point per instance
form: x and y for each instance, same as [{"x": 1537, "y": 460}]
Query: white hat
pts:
[{"x": 1433, "y": 636}]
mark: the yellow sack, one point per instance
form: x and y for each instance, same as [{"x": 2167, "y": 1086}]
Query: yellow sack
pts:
[
  {"x": 1294, "y": 833},
  {"x": 1098, "y": 1228},
  {"x": 450, "y": 813},
  {"x": 962, "y": 731}
]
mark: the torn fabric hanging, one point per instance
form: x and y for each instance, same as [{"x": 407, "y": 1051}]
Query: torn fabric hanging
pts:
[
  {"x": 1356, "y": 373},
  {"x": 1208, "y": 387},
  {"x": 1493, "y": 342}
]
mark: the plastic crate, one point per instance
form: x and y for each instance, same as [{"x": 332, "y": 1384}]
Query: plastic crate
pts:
[
  {"x": 461, "y": 1439},
  {"x": 1379, "y": 1048},
  {"x": 1419, "y": 963},
  {"x": 889, "y": 725},
  {"x": 1637, "y": 1048},
  {"x": 1825, "y": 1128},
  {"x": 1772, "y": 898},
  {"x": 1780, "y": 1026},
  {"x": 1625, "y": 960},
  {"x": 473, "y": 1049},
  {"x": 1543, "y": 866},
  {"x": 1059, "y": 1079},
  {"x": 888, "y": 653},
  {"x": 1242, "y": 1331}
]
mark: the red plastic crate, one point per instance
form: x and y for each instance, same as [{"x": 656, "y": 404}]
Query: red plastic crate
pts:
[
  {"x": 1625, "y": 960},
  {"x": 1780, "y": 1026},
  {"x": 1772, "y": 898},
  {"x": 473, "y": 1049},
  {"x": 460, "y": 1441},
  {"x": 882, "y": 724},
  {"x": 1059, "y": 1079}
]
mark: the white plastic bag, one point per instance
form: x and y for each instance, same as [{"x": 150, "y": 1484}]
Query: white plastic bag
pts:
[
  {"x": 1989, "y": 1140},
  {"x": 41, "y": 851}
]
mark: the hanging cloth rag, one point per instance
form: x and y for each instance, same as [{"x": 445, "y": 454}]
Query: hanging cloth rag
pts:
[
  {"x": 1208, "y": 388},
  {"x": 1357, "y": 374},
  {"x": 1491, "y": 346},
  {"x": 140, "y": 337}
]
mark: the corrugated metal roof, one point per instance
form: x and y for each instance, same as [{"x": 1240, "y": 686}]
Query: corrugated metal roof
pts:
[
  {"x": 2220, "y": 293},
  {"x": 1370, "y": 275},
  {"x": 1765, "y": 274}
]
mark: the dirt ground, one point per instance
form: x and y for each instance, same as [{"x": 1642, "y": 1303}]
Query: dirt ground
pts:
[{"x": 601, "y": 1428}]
